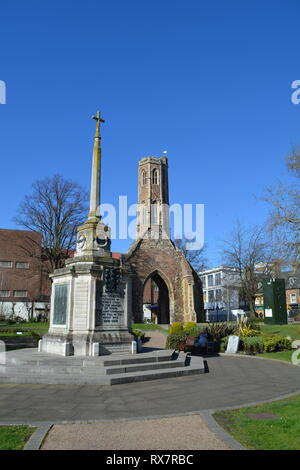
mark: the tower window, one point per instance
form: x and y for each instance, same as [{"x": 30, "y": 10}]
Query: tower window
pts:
[
  {"x": 155, "y": 176},
  {"x": 144, "y": 177}
]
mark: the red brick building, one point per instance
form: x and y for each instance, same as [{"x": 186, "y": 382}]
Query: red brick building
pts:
[{"x": 24, "y": 283}]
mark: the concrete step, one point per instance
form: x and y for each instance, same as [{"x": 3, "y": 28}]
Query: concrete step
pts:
[
  {"x": 37, "y": 368},
  {"x": 196, "y": 367},
  {"x": 46, "y": 370},
  {"x": 159, "y": 374},
  {"x": 125, "y": 369},
  {"x": 89, "y": 368},
  {"x": 31, "y": 358},
  {"x": 155, "y": 356}
]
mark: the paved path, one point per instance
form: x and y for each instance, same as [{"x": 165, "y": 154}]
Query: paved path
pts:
[
  {"x": 155, "y": 340},
  {"x": 175, "y": 433},
  {"x": 231, "y": 381},
  {"x": 141, "y": 416}
]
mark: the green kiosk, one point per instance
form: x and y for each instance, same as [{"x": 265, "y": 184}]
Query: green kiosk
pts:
[{"x": 275, "y": 301}]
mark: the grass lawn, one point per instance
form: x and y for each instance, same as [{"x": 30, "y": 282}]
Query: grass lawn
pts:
[
  {"x": 148, "y": 326},
  {"x": 14, "y": 437},
  {"x": 282, "y": 355},
  {"x": 281, "y": 330},
  {"x": 26, "y": 325},
  {"x": 282, "y": 433}
]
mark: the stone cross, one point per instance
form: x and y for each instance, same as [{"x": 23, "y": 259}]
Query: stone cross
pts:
[
  {"x": 96, "y": 173},
  {"x": 99, "y": 120}
]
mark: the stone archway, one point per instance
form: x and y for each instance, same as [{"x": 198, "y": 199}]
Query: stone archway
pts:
[
  {"x": 158, "y": 294},
  {"x": 148, "y": 258}
]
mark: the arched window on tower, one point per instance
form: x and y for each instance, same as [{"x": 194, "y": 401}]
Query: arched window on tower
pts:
[
  {"x": 155, "y": 176},
  {"x": 144, "y": 177}
]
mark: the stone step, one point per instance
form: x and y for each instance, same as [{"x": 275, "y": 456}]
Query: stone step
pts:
[
  {"x": 196, "y": 367},
  {"x": 35, "y": 359},
  {"x": 47, "y": 370},
  {"x": 159, "y": 374},
  {"x": 55, "y": 379},
  {"x": 125, "y": 369},
  {"x": 155, "y": 356},
  {"x": 98, "y": 368},
  {"x": 25, "y": 366}
]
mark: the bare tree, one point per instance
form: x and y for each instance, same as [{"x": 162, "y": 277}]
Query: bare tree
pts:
[
  {"x": 230, "y": 292},
  {"x": 252, "y": 254},
  {"x": 55, "y": 208},
  {"x": 195, "y": 257},
  {"x": 284, "y": 220}
]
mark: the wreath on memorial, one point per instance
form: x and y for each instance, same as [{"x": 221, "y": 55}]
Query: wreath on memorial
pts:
[{"x": 112, "y": 278}]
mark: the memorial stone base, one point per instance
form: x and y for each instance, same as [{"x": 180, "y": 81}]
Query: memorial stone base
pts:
[{"x": 90, "y": 309}]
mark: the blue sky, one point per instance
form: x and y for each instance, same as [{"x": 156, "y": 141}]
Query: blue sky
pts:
[{"x": 210, "y": 82}]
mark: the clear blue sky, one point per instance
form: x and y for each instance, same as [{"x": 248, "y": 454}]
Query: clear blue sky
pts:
[{"x": 208, "y": 81}]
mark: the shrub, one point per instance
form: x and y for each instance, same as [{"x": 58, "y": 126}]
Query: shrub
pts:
[
  {"x": 35, "y": 335},
  {"x": 176, "y": 327},
  {"x": 247, "y": 332},
  {"x": 252, "y": 344},
  {"x": 224, "y": 343},
  {"x": 247, "y": 327},
  {"x": 276, "y": 343},
  {"x": 252, "y": 323},
  {"x": 138, "y": 334},
  {"x": 189, "y": 325},
  {"x": 174, "y": 340},
  {"x": 193, "y": 331},
  {"x": 217, "y": 331},
  {"x": 18, "y": 319}
]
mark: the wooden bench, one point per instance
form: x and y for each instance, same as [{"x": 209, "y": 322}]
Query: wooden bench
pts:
[{"x": 188, "y": 345}]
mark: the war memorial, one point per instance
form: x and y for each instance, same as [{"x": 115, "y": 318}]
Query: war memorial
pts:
[{"x": 95, "y": 298}]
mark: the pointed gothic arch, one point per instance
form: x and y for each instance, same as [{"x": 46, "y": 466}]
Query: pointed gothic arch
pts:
[
  {"x": 163, "y": 307},
  {"x": 155, "y": 176}
]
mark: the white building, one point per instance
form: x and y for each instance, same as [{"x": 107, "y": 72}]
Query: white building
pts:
[{"x": 220, "y": 292}]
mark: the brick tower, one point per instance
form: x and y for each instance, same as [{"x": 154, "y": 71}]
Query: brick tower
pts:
[
  {"x": 153, "y": 257},
  {"x": 153, "y": 193}
]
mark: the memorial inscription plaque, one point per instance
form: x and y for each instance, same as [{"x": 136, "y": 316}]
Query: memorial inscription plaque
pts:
[
  {"x": 112, "y": 310},
  {"x": 60, "y": 304}
]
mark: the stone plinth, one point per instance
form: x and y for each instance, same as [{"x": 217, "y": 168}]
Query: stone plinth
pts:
[{"x": 90, "y": 309}]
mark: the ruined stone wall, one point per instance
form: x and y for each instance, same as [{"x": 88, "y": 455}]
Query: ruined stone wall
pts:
[{"x": 160, "y": 256}]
